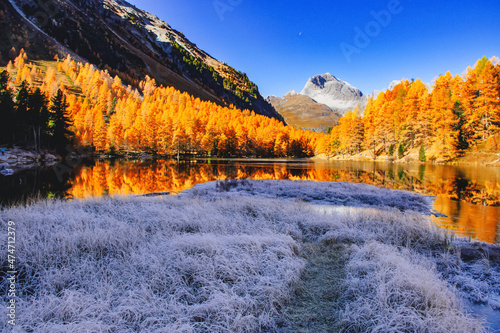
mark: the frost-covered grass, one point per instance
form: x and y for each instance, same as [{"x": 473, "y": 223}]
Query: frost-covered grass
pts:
[
  {"x": 392, "y": 290},
  {"x": 333, "y": 193},
  {"x": 152, "y": 265},
  {"x": 230, "y": 258}
]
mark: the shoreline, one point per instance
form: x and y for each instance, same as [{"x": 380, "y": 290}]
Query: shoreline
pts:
[
  {"x": 469, "y": 159},
  {"x": 18, "y": 159}
]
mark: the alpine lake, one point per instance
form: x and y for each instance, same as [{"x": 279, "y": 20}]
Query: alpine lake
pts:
[{"x": 469, "y": 196}]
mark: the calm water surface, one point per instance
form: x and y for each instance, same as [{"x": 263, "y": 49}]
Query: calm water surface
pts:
[{"x": 469, "y": 196}]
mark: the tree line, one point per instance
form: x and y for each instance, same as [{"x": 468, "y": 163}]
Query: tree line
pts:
[
  {"x": 101, "y": 114},
  {"x": 29, "y": 117},
  {"x": 69, "y": 103}
]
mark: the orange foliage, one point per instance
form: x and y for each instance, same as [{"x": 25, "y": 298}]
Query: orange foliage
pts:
[
  {"x": 460, "y": 111},
  {"x": 166, "y": 121},
  {"x": 109, "y": 117}
]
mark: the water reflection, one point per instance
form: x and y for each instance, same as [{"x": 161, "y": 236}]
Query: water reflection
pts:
[
  {"x": 475, "y": 221},
  {"x": 32, "y": 184},
  {"x": 468, "y": 195}
]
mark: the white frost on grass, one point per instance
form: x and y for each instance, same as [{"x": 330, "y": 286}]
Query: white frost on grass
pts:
[
  {"x": 151, "y": 265},
  {"x": 478, "y": 278},
  {"x": 211, "y": 260},
  {"x": 332, "y": 193},
  {"x": 393, "y": 290}
]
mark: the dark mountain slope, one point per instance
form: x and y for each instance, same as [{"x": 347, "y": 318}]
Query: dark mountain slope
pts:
[
  {"x": 17, "y": 33},
  {"x": 131, "y": 43}
]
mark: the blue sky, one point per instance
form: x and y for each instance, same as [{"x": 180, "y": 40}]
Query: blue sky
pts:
[{"x": 280, "y": 44}]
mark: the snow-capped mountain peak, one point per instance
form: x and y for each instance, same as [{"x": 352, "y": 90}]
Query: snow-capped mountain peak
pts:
[{"x": 333, "y": 92}]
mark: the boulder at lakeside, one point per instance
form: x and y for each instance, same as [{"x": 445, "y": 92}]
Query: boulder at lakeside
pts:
[{"x": 17, "y": 159}]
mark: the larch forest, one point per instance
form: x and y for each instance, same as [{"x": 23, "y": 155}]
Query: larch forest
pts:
[{"x": 72, "y": 104}]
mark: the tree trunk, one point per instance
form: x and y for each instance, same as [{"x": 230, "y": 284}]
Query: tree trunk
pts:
[{"x": 34, "y": 138}]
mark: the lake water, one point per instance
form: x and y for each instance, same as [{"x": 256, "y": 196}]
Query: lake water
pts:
[{"x": 469, "y": 196}]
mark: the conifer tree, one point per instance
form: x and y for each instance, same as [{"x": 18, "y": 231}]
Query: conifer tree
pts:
[
  {"x": 421, "y": 154},
  {"x": 22, "y": 106},
  {"x": 444, "y": 120},
  {"x": 7, "y": 111},
  {"x": 459, "y": 127},
  {"x": 401, "y": 150},
  {"x": 60, "y": 123},
  {"x": 391, "y": 150},
  {"x": 38, "y": 116},
  {"x": 487, "y": 104},
  {"x": 413, "y": 108}
]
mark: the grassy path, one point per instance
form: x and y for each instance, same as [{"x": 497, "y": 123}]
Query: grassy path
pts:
[{"x": 316, "y": 303}]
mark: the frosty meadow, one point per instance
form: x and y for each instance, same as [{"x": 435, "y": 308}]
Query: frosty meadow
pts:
[{"x": 246, "y": 256}]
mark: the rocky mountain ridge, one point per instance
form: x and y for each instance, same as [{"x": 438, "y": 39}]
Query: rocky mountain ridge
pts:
[{"x": 128, "y": 42}]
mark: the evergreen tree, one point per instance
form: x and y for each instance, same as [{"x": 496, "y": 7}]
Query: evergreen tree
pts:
[
  {"x": 22, "y": 105},
  {"x": 38, "y": 116},
  {"x": 421, "y": 154},
  {"x": 391, "y": 150},
  {"x": 4, "y": 80},
  {"x": 401, "y": 150},
  {"x": 7, "y": 111},
  {"x": 459, "y": 127},
  {"x": 60, "y": 123}
]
